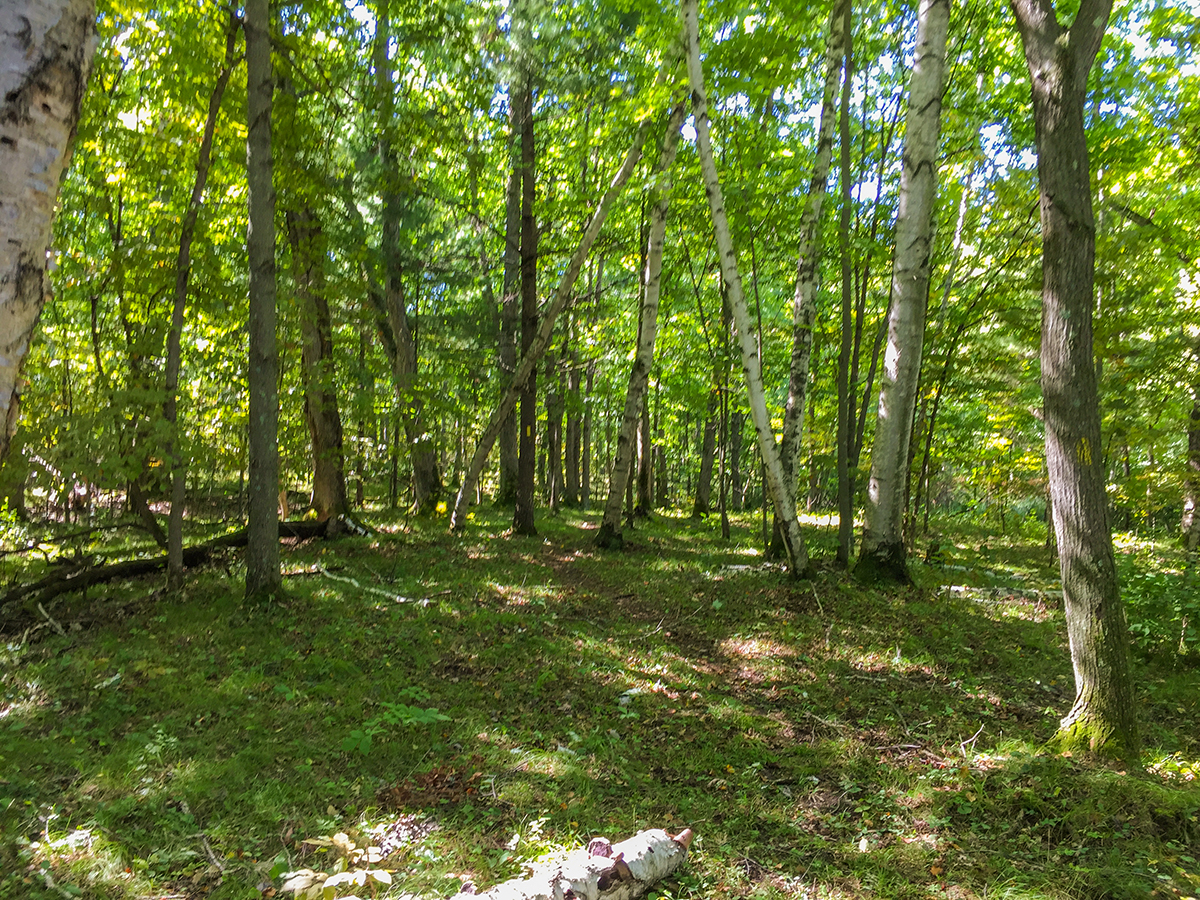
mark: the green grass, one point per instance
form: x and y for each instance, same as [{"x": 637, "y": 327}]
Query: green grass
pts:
[{"x": 822, "y": 739}]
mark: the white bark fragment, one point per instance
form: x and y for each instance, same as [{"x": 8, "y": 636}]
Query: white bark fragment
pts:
[{"x": 632, "y": 868}]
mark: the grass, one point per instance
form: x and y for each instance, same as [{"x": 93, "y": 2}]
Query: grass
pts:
[{"x": 523, "y": 694}]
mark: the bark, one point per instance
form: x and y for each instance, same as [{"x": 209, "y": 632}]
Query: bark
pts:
[
  {"x": 1059, "y": 59},
  {"x": 555, "y": 407},
  {"x": 781, "y": 492},
  {"x": 18, "y": 607},
  {"x": 329, "y": 499},
  {"x": 574, "y": 430},
  {"x": 737, "y": 421},
  {"x": 427, "y": 480},
  {"x": 883, "y": 552},
  {"x": 639, "y": 375},
  {"x": 1190, "y": 521},
  {"x": 45, "y": 57},
  {"x": 845, "y": 491},
  {"x": 262, "y": 547},
  {"x": 506, "y": 493},
  {"x": 556, "y": 304},
  {"x": 527, "y": 448},
  {"x": 603, "y": 871},
  {"x": 804, "y": 304},
  {"x": 702, "y": 505},
  {"x": 585, "y": 440},
  {"x": 183, "y": 269}
]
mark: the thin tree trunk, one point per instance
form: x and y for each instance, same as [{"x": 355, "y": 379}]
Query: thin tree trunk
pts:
[
  {"x": 639, "y": 376},
  {"x": 804, "y": 305},
  {"x": 884, "y": 554},
  {"x": 506, "y": 493},
  {"x": 708, "y": 450},
  {"x": 845, "y": 474},
  {"x": 737, "y": 423},
  {"x": 263, "y": 577},
  {"x": 317, "y": 368},
  {"x": 781, "y": 492},
  {"x": 1103, "y": 717},
  {"x": 1190, "y": 521},
  {"x": 523, "y": 522},
  {"x": 574, "y": 425},
  {"x": 183, "y": 270},
  {"x": 427, "y": 479},
  {"x": 558, "y": 301},
  {"x": 585, "y": 439}
]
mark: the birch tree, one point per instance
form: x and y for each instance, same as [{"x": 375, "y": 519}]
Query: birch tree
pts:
[
  {"x": 45, "y": 58},
  {"x": 782, "y": 493},
  {"x": 639, "y": 376},
  {"x": 883, "y": 551}
]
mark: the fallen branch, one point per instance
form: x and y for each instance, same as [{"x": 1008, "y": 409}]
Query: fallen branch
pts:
[
  {"x": 22, "y": 602},
  {"x": 603, "y": 871}
]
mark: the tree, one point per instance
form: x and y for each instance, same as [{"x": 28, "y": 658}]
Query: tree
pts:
[
  {"x": 782, "y": 493},
  {"x": 183, "y": 271},
  {"x": 45, "y": 58},
  {"x": 262, "y": 549},
  {"x": 609, "y": 534},
  {"x": 883, "y": 551},
  {"x": 1059, "y": 58},
  {"x": 527, "y": 440}
]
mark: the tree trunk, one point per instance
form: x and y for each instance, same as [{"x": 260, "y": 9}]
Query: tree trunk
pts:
[
  {"x": 1059, "y": 59},
  {"x": 574, "y": 426},
  {"x": 183, "y": 269},
  {"x": 555, "y": 406},
  {"x": 506, "y": 492},
  {"x": 883, "y": 553},
  {"x": 603, "y": 871},
  {"x": 523, "y": 522},
  {"x": 737, "y": 421},
  {"x": 1190, "y": 521},
  {"x": 262, "y": 548},
  {"x": 585, "y": 439},
  {"x": 45, "y": 56},
  {"x": 845, "y": 475},
  {"x": 782, "y": 493},
  {"x": 804, "y": 305},
  {"x": 427, "y": 480},
  {"x": 558, "y": 301},
  {"x": 639, "y": 376},
  {"x": 702, "y": 505},
  {"x": 320, "y": 394}
]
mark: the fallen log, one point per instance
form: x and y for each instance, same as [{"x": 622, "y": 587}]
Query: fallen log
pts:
[
  {"x": 21, "y": 602},
  {"x": 603, "y": 871}
]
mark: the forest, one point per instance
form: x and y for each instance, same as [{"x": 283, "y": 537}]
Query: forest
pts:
[{"x": 438, "y": 436}]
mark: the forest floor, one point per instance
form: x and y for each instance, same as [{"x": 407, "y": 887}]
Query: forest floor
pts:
[{"x": 472, "y": 703}]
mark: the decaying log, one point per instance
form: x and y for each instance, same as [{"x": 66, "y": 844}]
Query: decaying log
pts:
[
  {"x": 601, "y": 872},
  {"x": 20, "y": 604}
]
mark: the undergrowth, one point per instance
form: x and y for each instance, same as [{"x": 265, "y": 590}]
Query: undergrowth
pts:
[{"x": 467, "y": 704}]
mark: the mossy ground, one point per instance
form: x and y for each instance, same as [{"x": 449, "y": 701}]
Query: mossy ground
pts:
[{"x": 823, "y": 739}]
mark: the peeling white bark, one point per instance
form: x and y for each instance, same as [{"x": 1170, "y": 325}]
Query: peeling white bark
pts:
[
  {"x": 782, "y": 493},
  {"x": 639, "y": 376},
  {"x": 45, "y": 56},
  {"x": 628, "y": 870},
  {"x": 883, "y": 541}
]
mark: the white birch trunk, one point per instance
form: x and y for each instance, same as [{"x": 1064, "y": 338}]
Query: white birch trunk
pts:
[
  {"x": 639, "y": 376},
  {"x": 782, "y": 493},
  {"x": 603, "y": 872},
  {"x": 558, "y": 302},
  {"x": 45, "y": 56},
  {"x": 804, "y": 305},
  {"x": 883, "y": 552}
]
